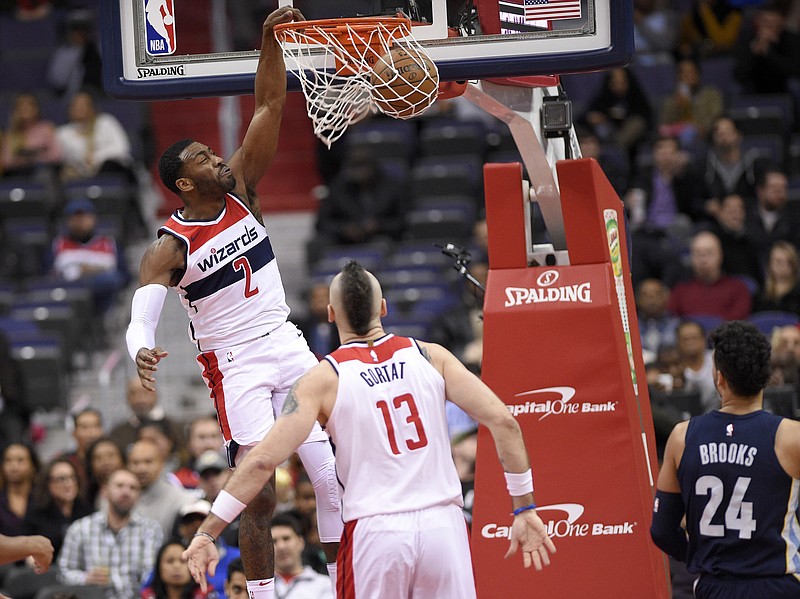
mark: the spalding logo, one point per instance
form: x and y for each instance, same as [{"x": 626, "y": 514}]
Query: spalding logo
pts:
[{"x": 548, "y": 277}]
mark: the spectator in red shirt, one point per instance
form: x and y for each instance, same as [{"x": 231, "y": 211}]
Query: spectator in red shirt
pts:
[
  {"x": 710, "y": 291},
  {"x": 82, "y": 253}
]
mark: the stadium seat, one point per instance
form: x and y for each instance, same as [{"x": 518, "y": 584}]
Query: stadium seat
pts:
[
  {"x": 21, "y": 197},
  {"x": 769, "y": 320},
  {"x": 418, "y": 254},
  {"x": 385, "y": 138},
  {"x": 453, "y": 138},
  {"x": 43, "y": 373},
  {"x": 765, "y": 113},
  {"x": 441, "y": 225},
  {"x": 369, "y": 255},
  {"x": 437, "y": 175},
  {"x": 782, "y": 400},
  {"x": 709, "y": 322}
]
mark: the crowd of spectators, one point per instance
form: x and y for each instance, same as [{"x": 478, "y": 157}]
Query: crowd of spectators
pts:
[{"x": 119, "y": 514}]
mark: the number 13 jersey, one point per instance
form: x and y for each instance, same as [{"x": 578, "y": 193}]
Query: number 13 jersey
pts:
[
  {"x": 389, "y": 430},
  {"x": 741, "y": 506}
]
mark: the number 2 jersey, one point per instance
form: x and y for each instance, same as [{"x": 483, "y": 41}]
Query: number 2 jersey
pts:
[
  {"x": 389, "y": 430},
  {"x": 231, "y": 289},
  {"x": 741, "y": 506}
]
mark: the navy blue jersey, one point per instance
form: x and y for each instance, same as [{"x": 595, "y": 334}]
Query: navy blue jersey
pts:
[{"x": 741, "y": 506}]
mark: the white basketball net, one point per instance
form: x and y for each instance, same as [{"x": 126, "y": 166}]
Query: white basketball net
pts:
[{"x": 334, "y": 65}]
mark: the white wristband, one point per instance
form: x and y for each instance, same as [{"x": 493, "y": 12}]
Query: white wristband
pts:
[
  {"x": 519, "y": 483},
  {"x": 227, "y": 507}
]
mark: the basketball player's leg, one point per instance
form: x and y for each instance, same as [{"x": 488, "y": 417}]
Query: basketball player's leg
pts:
[
  {"x": 240, "y": 381},
  {"x": 316, "y": 452},
  {"x": 255, "y": 540},
  {"x": 444, "y": 564}
]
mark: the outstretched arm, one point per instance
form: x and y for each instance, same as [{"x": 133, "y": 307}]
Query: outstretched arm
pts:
[
  {"x": 16, "y": 548},
  {"x": 300, "y": 411},
  {"x": 160, "y": 263},
  {"x": 469, "y": 393},
  {"x": 260, "y": 143}
]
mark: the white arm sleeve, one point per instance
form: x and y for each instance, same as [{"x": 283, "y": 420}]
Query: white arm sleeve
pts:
[{"x": 145, "y": 311}]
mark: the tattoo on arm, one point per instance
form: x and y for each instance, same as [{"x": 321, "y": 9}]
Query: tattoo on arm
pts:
[
  {"x": 290, "y": 406},
  {"x": 425, "y": 354}
]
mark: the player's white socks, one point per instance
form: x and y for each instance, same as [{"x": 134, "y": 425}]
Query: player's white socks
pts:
[
  {"x": 332, "y": 573},
  {"x": 261, "y": 589}
]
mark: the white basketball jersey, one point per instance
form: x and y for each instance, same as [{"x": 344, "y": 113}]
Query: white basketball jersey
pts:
[
  {"x": 231, "y": 289},
  {"x": 389, "y": 430}
]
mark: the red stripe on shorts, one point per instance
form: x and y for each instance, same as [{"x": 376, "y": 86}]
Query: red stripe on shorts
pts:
[
  {"x": 345, "y": 584},
  {"x": 213, "y": 376}
]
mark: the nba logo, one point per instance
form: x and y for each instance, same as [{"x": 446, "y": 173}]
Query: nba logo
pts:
[{"x": 160, "y": 27}]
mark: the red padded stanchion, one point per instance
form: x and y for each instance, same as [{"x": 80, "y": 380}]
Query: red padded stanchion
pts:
[{"x": 556, "y": 353}]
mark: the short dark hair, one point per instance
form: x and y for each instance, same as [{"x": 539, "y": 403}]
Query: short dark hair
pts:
[
  {"x": 289, "y": 521},
  {"x": 742, "y": 355},
  {"x": 234, "y": 566},
  {"x": 76, "y": 416},
  {"x": 356, "y": 289},
  {"x": 170, "y": 164}
]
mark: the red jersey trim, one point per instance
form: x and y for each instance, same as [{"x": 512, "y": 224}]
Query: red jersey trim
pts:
[
  {"x": 380, "y": 351},
  {"x": 198, "y": 233}
]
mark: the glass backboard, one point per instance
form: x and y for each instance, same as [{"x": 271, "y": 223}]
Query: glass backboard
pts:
[{"x": 152, "y": 49}]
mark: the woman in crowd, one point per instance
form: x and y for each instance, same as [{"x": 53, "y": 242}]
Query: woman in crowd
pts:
[
  {"x": 782, "y": 283},
  {"x": 30, "y": 142},
  {"x": 18, "y": 467},
  {"x": 690, "y": 110},
  {"x": 160, "y": 433},
  {"x": 56, "y": 502},
  {"x": 102, "y": 458},
  {"x": 93, "y": 142},
  {"x": 172, "y": 579}
]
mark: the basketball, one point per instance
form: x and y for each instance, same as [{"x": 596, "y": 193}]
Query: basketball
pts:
[
  {"x": 405, "y": 82},
  {"x": 168, "y": 20}
]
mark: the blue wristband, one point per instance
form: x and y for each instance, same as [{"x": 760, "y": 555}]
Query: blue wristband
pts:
[{"x": 519, "y": 510}]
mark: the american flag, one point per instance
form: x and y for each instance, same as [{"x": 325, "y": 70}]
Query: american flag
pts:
[{"x": 543, "y": 10}]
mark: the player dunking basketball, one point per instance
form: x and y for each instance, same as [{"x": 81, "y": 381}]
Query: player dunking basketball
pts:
[
  {"x": 382, "y": 398},
  {"x": 216, "y": 254}
]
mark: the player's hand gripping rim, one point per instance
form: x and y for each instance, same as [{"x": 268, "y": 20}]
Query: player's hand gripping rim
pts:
[{"x": 529, "y": 533}]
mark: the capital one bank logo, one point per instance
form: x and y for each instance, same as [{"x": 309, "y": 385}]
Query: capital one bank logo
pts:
[
  {"x": 564, "y": 520},
  {"x": 159, "y": 27},
  {"x": 562, "y": 404}
]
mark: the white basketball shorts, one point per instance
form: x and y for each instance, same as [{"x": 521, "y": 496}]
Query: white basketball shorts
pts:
[
  {"x": 422, "y": 554},
  {"x": 249, "y": 383}
]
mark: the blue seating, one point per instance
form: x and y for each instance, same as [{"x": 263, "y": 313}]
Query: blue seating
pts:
[
  {"x": 439, "y": 175},
  {"x": 709, "y": 322},
  {"x": 769, "y": 320},
  {"x": 768, "y": 146},
  {"x": 717, "y": 71},
  {"x": 774, "y": 112},
  {"x": 453, "y": 138},
  {"x": 334, "y": 258},
  {"x": 22, "y": 197},
  {"x": 385, "y": 138}
]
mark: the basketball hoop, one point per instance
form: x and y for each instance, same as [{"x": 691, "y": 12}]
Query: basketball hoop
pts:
[{"x": 335, "y": 60}]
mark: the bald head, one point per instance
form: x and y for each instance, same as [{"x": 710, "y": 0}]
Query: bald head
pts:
[{"x": 356, "y": 298}]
